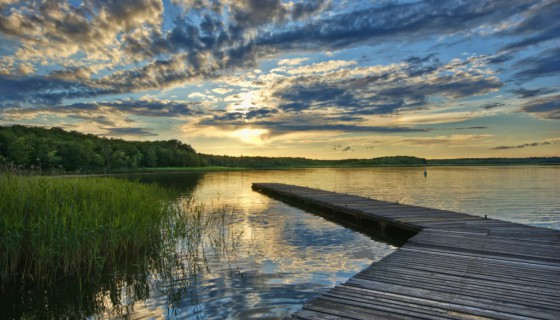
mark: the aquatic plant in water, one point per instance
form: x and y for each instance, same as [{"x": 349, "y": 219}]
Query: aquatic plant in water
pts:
[
  {"x": 55, "y": 225},
  {"x": 107, "y": 240}
]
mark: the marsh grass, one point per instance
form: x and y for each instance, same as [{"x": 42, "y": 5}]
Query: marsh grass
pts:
[
  {"x": 53, "y": 226},
  {"x": 73, "y": 247}
]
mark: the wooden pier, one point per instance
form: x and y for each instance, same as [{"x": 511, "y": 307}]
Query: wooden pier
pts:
[{"x": 455, "y": 266}]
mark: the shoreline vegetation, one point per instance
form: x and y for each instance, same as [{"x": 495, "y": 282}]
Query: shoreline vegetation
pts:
[
  {"x": 103, "y": 236},
  {"x": 100, "y": 240},
  {"x": 55, "y": 151},
  {"x": 51, "y": 226}
]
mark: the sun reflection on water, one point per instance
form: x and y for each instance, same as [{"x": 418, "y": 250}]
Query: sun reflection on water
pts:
[{"x": 259, "y": 258}]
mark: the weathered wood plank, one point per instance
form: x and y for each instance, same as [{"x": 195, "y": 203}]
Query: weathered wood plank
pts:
[{"x": 457, "y": 266}]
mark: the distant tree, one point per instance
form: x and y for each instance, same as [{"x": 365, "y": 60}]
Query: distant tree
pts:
[
  {"x": 74, "y": 156},
  {"x": 150, "y": 157},
  {"x": 55, "y": 148},
  {"x": 19, "y": 151}
]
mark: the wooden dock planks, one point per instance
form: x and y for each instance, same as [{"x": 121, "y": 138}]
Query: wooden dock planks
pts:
[{"x": 457, "y": 266}]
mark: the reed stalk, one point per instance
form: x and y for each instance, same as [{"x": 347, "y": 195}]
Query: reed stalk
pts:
[{"x": 52, "y": 225}]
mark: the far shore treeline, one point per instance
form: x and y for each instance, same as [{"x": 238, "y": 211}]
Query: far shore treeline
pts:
[{"x": 55, "y": 150}]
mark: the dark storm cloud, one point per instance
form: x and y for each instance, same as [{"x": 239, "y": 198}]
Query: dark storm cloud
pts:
[
  {"x": 546, "y": 108},
  {"x": 543, "y": 64}
]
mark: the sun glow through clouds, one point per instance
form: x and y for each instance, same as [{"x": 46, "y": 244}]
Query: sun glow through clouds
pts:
[
  {"x": 292, "y": 75},
  {"x": 250, "y": 136}
]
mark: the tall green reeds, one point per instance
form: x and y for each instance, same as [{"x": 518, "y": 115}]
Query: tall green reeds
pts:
[
  {"x": 51, "y": 226},
  {"x": 102, "y": 242}
]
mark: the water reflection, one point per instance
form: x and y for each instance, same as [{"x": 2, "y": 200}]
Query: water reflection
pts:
[
  {"x": 258, "y": 258},
  {"x": 283, "y": 255},
  {"x": 183, "y": 182},
  {"x": 76, "y": 297}
]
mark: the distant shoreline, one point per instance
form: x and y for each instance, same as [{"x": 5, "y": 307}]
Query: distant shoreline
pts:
[
  {"x": 58, "y": 152},
  {"x": 213, "y": 169}
]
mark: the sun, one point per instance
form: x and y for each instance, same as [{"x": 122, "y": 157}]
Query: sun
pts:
[{"x": 251, "y": 136}]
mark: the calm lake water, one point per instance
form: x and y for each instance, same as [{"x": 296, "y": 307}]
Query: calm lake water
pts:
[{"x": 275, "y": 257}]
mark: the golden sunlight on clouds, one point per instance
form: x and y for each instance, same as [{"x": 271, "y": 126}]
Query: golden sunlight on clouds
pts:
[
  {"x": 250, "y": 136},
  {"x": 436, "y": 118},
  {"x": 288, "y": 78}
]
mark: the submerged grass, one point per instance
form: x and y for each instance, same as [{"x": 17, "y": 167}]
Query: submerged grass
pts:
[
  {"x": 75, "y": 247},
  {"x": 52, "y": 226}
]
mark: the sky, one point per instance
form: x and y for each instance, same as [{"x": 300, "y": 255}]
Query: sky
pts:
[{"x": 321, "y": 79}]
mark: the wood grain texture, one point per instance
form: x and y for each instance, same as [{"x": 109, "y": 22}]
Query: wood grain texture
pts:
[{"x": 457, "y": 266}]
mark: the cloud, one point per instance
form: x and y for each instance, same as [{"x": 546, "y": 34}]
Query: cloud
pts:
[
  {"x": 389, "y": 20},
  {"x": 499, "y": 58},
  {"x": 287, "y": 127},
  {"x": 129, "y": 132},
  {"x": 545, "y": 108},
  {"x": 292, "y": 62},
  {"x": 222, "y": 91},
  {"x": 356, "y": 99},
  {"x": 37, "y": 90},
  {"x": 531, "y": 93},
  {"x": 322, "y": 67},
  {"x": 100, "y": 111},
  {"x": 473, "y": 128},
  {"x": 492, "y": 105},
  {"x": 540, "y": 23},
  {"x": 387, "y": 90},
  {"x": 250, "y": 135},
  {"x": 56, "y": 28},
  {"x": 451, "y": 140},
  {"x": 528, "y": 145},
  {"x": 312, "y": 96},
  {"x": 208, "y": 37},
  {"x": 543, "y": 64},
  {"x": 101, "y": 48}
]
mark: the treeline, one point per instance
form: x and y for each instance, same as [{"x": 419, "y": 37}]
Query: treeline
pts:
[
  {"x": 287, "y": 162},
  {"x": 57, "y": 150},
  {"x": 258, "y": 162},
  {"x": 494, "y": 161}
]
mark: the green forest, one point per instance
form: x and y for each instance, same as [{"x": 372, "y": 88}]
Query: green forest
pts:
[
  {"x": 58, "y": 150},
  {"x": 55, "y": 150}
]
